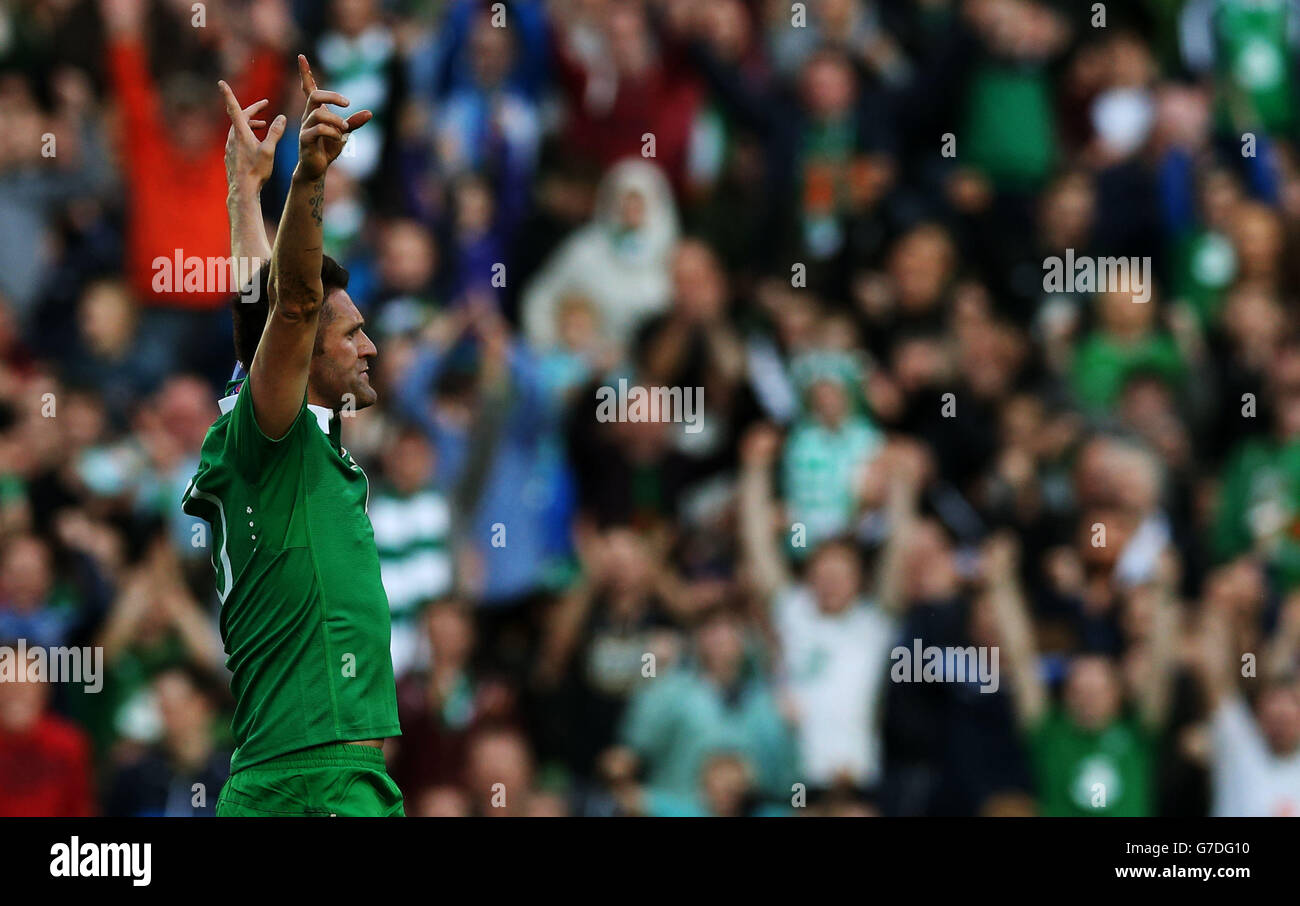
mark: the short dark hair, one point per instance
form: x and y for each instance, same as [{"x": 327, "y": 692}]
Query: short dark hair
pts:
[
  {"x": 200, "y": 679},
  {"x": 250, "y": 316}
]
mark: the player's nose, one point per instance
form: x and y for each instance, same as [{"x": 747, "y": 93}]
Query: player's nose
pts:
[{"x": 366, "y": 349}]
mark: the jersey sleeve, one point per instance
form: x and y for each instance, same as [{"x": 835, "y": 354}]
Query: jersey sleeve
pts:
[{"x": 247, "y": 446}]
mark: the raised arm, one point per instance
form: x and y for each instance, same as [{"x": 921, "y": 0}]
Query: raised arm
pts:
[
  {"x": 128, "y": 67},
  {"x": 278, "y": 374},
  {"x": 763, "y": 556},
  {"x": 1015, "y": 631},
  {"x": 1220, "y": 648},
  {"x": 906, "y": 466},
  {"x": 1157, "y": 688},
  {"x": 565, "y": 620},
  {"x": 1214, "y": 663},
  {"x": 248, "y": 166},
  {"x": 1280, "y": 656}
]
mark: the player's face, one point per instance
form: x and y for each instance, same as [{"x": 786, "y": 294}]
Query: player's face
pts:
[{"x": 340, "y": 371}]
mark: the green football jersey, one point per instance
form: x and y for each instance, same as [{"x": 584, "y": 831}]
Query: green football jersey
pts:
[
  {"x": 1084, "y": 773},
  {"x": 1255, "y": 82},
  {"x": 304, "y": 617}
]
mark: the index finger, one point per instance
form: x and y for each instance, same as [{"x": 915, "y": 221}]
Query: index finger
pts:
[
  {"x": 237, "y": 118},
  {"x": 323, "y": 96},
  {"x": 305, "y": 76}
]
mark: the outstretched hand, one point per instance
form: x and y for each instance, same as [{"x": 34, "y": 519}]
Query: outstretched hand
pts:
[
  {"x": 249, "y": 161},
  {"x": 323, "y": 133}
]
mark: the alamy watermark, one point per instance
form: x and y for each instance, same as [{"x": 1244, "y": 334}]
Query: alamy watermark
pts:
[
  {"x": 651, "y": 404},
  {"x": 212, "y": 274},
  {"x": 1088, "y": 274},
  {"x": 932, "y": 664},
  {"x": 38, "y": 664},
  {"x": 75, "y": 859}
]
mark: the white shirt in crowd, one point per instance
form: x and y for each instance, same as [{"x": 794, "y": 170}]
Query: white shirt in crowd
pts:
[
  {"x": 1249, "y": 780},
  {"x": 412, "y": 535},
  {"x": 835, "y": 667}
]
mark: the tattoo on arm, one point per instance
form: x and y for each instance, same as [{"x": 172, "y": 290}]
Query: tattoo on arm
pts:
[{"x": 317, "y": 201}]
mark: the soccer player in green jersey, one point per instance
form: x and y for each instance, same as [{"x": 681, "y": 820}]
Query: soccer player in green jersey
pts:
[{"x": 304, "y": 616}]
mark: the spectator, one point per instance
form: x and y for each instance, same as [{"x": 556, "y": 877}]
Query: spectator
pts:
[
  {"x": 1091, "y": 755},
  {"x": 833, "y": 640},
  {"x": 153, "y": 625},
  {"x": 501, "y": 781},
  {"x": 442, "y": 703},
  {"x": 181, "y": 775},
  {"x": 835, "y": 219},
  {"x": 412, "y": 524},
  {"x": 175, "y": 174},
  {"x": 623, "y": 80},
  {"x": 482, "y": 464},
  {"x": 1256, "y": 503},
  {"x": 359, "y": 55},
  {"x": 1255, "y": 752},
  {"x": 618, "y": 261},
  {"x": 592, "y": 657},
  {"x": 676, "y": 723},
  {"x": 1126, "y": 343},
  {"x": 47, "y": 769},
  {"x": 32, "y": 606}
]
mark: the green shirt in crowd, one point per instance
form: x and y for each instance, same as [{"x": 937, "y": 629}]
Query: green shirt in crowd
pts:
[
  {"x": 1081, "y": 772},
  {"x": 1102, "y": 365},
  {"x": 1009, "y": 128},
  {"x": 821, "y": 471},
  {"x": 1255, "y": 70},
  {"x": 1259, "y": 506},
  {"x": 1204, "y": 267}
]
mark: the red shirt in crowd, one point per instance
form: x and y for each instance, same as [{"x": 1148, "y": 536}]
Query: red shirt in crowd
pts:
[
  {"x": 662, "y": 102},
  {"x": 45, "y": 771},
  {"x": 175, "y": 201}
]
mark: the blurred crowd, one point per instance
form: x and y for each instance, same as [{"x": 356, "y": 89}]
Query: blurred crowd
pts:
[{"x": 833, "y": 216}]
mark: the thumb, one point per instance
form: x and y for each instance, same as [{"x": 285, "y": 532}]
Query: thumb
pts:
[{"x": 275, "y": 131}]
